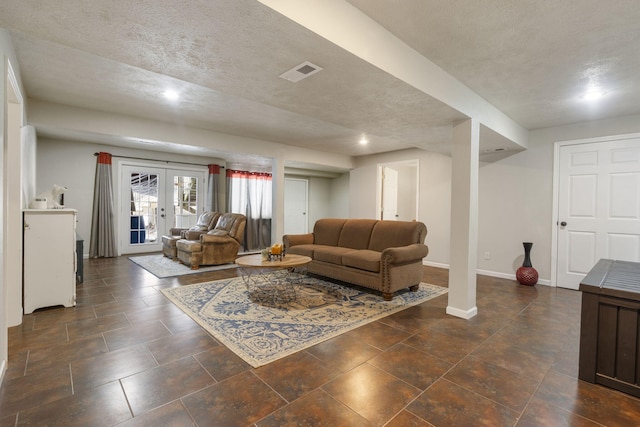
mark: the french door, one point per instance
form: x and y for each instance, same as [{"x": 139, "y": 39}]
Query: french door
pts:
[
  {"x": 598, "y": 206},
  {"x": 153, "y": 200}
]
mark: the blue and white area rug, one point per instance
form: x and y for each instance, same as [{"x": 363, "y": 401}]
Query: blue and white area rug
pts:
[
  {"x": 261, "y": 334},
  {"x": 161, "y": 266}
]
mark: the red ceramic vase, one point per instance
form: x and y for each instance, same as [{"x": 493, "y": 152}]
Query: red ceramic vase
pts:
[{"x": 527, "y": 275}]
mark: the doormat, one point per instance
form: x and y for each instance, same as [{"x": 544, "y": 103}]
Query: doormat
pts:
[{"x": 161, "y": 266}]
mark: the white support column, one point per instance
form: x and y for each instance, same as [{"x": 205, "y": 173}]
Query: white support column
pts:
[
  {"x": 277, "y": 203},
  {"x": 464, "y": 220}
]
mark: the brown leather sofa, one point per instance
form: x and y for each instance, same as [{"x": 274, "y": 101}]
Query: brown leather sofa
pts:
[
  {"x": 218, "y": 246},
  {"x": 206, "y": 222},
  {"x": 381, "y": 255}
]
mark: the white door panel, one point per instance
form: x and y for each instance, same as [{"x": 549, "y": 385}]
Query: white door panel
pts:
[
  {"x": 154, "y": 199},
  {"x": 598, "y": 206},
  {"x": 295, "y": 206},
  {"x": 389, "y": 193}
]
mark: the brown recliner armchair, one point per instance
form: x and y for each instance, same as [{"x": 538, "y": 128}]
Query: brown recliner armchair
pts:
[
  {"x": 218, "y": 246},
  {"x": 206, "y": 222}
]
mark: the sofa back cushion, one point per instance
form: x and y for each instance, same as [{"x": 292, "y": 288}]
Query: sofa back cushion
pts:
[
  {"x": 390, "y": 234},
  {"x": 327, "y": 231},
  {"x": 356, "y": 233}
]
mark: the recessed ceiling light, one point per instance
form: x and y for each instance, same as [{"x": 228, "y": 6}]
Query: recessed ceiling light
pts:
[
  {"x": 171, "y": 95},
  {"x": 364, "y": 141},
  {"x": 593, "y": 94}
]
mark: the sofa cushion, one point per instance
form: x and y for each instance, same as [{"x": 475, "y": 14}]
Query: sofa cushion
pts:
[
  {"x": 327, "y": 231},
  {"x": 363, "y": 259},
  {"x": 189, "y": 245},
  {"x": 331, "y": 254},
  {"x": 391, "y": 234},
  {"x": 305, "y": 250},
  {"x": 356, "y": 233}
]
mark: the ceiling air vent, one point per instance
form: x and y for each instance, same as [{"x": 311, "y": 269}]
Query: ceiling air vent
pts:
[{"x": 300, "y": 72}]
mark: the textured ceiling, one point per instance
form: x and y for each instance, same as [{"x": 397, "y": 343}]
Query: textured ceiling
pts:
[{"x": 531, "y": 60}]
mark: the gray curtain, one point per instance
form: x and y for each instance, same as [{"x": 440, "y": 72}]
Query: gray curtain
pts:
[
  {"x": 213, "y": 189},
  {"x": 103, "y": 237},
  {"x": 249, "y": 193}
]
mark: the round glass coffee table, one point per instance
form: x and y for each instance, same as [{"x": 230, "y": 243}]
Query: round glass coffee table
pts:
[{"x": 272, "y": 282}]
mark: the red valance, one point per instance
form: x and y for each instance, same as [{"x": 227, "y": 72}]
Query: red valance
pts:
[
  {"x": 247, "y": 175},
  {"x": 214, "y": 169},
  {"x": 104, "y": 158}
]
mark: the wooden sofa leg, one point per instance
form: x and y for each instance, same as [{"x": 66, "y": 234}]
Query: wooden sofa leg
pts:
[
  {"x": 387, "y": 296},
  {"x": 195, "y": 267},
  {"x": 414, "y": 288}
]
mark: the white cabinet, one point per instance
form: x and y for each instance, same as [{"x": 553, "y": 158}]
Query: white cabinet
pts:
[{"x": 49, "y": 258}]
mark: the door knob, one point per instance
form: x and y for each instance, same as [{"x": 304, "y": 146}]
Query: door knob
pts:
[{"x": 563, "y": 224}]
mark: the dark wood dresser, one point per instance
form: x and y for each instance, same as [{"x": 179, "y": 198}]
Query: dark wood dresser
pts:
[{"x": 610, "y": 333}]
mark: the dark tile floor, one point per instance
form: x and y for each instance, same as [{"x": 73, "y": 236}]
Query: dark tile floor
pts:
[{"x": 126, "y": 356}]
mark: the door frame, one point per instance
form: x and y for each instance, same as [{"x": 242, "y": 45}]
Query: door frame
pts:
[
  {"x": 119, "y": 163},
  {"x": 556, "y": 190},
  {"x": 401, "y": 163}
]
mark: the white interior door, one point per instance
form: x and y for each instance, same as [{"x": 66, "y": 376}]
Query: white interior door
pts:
[
  {"x": 598, "y": 207},
  {"x": 295, "y": 206},
  {"x": 389, "y": 193},
  {"x": 153, "y": 200}
]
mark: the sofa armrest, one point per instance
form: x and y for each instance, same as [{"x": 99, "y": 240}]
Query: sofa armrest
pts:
[
  {"x": 192, "y": 234},
  {"x": 405, "y": 254},
  {"x": 216, "y": 238},
  {"x": 175, "y": 231},
  {"x": 297, "y": 239}
]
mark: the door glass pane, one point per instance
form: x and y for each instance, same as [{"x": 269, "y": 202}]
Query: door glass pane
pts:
[
  {"x": 185, "y": 201},
  {"x": 144, "y": 208}
]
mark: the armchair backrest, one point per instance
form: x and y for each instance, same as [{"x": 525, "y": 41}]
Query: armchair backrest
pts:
[
  {"x": 206, "y": 222},
  {"x": 230, "y": 224}
]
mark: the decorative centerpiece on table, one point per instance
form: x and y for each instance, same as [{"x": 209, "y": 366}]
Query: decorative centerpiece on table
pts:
[{"x": 274, "y": 253}]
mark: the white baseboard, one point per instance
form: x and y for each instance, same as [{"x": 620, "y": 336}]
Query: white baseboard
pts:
[
  {"x": 435, "y": 264},
  {"x": 463, "y": 314},
  {"x": 544, "y": 282},
  {"x": 508, "y": 276}
]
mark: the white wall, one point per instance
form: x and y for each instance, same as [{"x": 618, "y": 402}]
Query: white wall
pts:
[
  {"x": 73, "y": 165},
  {"x": 325, "y": 198},
  {"x": 103, "y": 125},
  {"x": 10, "y": 292},
  {"x": 319, "y": 198},
  {"x": 340, "y": 197},
  {"x": 516, "y": 197},
  {"x": 406, "y": 192},
  {"x": 434, "y": 192}
]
